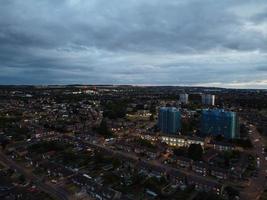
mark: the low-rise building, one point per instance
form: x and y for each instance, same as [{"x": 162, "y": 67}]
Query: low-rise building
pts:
[
  {"x": 95, "y": 190},
  {"x": 219, "y": 172},
  {"x": 182, "y": 141},
  {"x": 222, "y": 146},
  {"x": 202, "y": 185},
  {"x": 183, "y": 162},
  {"x": 200, "y": 168}
]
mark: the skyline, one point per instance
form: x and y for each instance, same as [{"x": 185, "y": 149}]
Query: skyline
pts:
[{"x": 189, "y": 42}]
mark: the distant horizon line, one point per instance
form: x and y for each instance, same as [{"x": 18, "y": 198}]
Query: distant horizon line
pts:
[{"x": 132, "y": 85}]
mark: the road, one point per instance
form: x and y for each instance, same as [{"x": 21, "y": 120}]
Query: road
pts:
[
  {"x": 54, "y": 192},
  {"x": 152, "y": 163},
  {"x": 257, "y": 184},
  {"x": 253, "y": 191}
]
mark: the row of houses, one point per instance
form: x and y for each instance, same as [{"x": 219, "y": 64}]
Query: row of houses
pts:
[
  {"x": 182, "y": 141},
  {"x": 205, "y": 169},
  {"x": 95, "y": 190},
  {"x": 181, "y": 179},
  {"x": 176, "y": 175},
  {"x": 186, "y": 141}
]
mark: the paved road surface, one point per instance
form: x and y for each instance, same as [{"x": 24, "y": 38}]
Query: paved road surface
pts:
[
  {"x": 257, "y": 185},
  {"x": 54, "y": 192},
  {"x": 152, "y": 163},
  {"x": 252, "y": 192}
]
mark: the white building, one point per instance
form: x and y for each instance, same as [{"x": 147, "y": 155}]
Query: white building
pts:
[
  {"x": 182, "y": 141},
  {"x": 208, "y": 99},
  {"x": 184, "y": 98}
]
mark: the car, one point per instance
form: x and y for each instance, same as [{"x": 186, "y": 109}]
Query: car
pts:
[{"x": 54, "y": 181}]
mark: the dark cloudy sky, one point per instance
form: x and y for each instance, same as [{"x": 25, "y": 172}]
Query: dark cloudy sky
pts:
[{"x": 150, "y": 42}]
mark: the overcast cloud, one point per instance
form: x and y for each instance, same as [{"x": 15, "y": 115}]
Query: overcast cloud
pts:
[{"x": 149, "y": 42}]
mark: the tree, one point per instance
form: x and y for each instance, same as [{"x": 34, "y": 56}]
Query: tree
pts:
[
  {"x": 179, "y": 151},
  {"x": 190, "y": 124},
  {"x": 195, "y": 151},
  {"x": 115, "y": 109},
  {"x": 219, "y": 138},
  {"x": 245, "y": 143},
  {"x": 46, "y": 146},
  {"x": 207, "y": 196},
  {"x": 151, "y": 118},
  {"x": 186, "y": 127},
  {"x": 231, "y": 192},
  {"x": 152, "y": 109},
  {"x": 116, "y": 162},
  {"x": 104, "y": 130},
  {"x": 22, "y": 178},
  {"x": 145, "y": 143},
  {"x": 243, "y": 131},
  {"x": 4, "y": 142},
  {"x": 99, "y": 158}
]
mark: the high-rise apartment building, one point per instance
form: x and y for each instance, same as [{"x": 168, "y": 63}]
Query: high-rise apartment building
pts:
[
  {"x": 208, "y": 99},
  {"x": 219, "y": 122},
  {"x": 183, "y": 98},
  {"x": 169, "y": 120}
]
